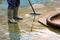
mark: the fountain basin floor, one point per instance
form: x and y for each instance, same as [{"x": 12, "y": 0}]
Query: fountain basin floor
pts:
[{"x": 22, "y": 30}]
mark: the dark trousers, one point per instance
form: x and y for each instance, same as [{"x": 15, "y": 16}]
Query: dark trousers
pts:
[
  {"x": 13, "y": 3},
  {"x": 13, "y": 8}
]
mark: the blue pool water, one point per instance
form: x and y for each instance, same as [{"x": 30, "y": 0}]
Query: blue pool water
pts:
[{"x": 23, "y": 3}]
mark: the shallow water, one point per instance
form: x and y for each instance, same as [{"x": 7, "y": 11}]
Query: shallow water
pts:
[{"x": 22, "y": 30}]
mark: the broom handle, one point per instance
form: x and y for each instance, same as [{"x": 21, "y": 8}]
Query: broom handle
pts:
[{"x": 31, "y": 6}]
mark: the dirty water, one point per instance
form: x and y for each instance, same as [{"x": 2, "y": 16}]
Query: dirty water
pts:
[{"x": 28, "y": 28}]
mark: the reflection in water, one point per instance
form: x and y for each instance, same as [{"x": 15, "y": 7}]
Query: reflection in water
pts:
[{"x": 14, "y": 31}]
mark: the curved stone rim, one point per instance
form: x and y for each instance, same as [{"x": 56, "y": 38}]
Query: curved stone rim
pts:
[{"x": 49, "y": 22}]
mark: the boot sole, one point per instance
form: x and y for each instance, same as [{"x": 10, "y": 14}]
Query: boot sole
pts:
[
  {"x": 11, "y": 22},
  {"x": 18, "y": 19}
]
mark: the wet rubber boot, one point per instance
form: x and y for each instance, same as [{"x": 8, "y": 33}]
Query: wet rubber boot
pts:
[
  {"x": 16, "y": 14},
  {"x": 10, "y": 16}
]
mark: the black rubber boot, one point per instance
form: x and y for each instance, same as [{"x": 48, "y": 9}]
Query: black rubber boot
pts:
[
  {"x": 15, "y": 15},
  {"x": 10, "y": 16}
]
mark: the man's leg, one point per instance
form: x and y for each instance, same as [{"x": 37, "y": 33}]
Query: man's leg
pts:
[
  {"x": 10, "y": 14},
  {"x": 16, "y": 10},
  {"x": 15, "y": 15}
]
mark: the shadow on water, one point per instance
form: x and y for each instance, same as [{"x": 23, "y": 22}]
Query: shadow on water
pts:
[
  {"x": 14, "y": 31},
  {"x": 54, "y": 29}
]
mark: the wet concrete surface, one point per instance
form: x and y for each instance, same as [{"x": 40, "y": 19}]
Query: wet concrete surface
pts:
[{"x": 22, "y": 30}]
